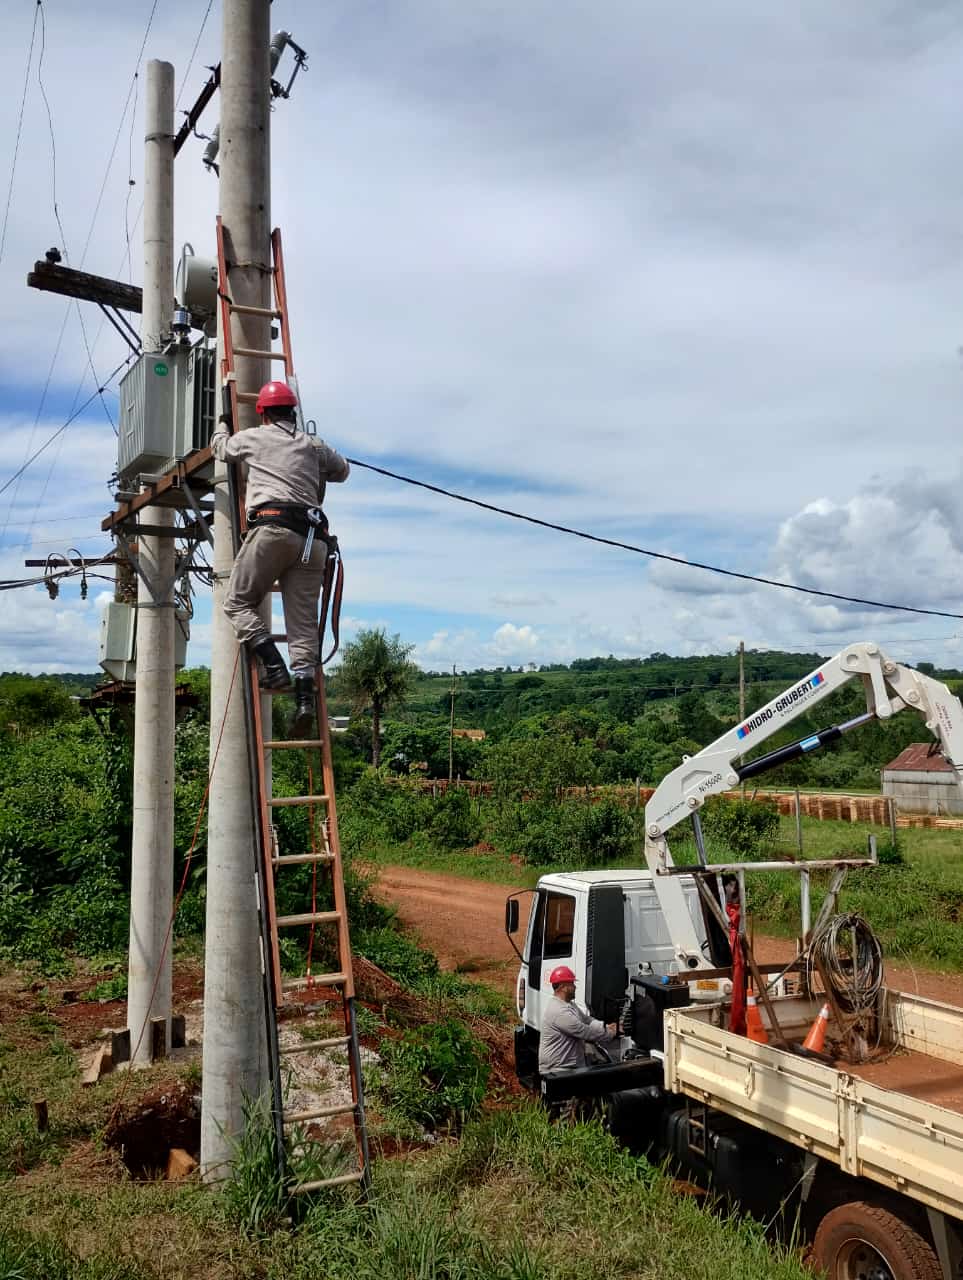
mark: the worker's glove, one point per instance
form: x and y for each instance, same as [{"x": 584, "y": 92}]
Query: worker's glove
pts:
[{"x": 226, "y": 420}]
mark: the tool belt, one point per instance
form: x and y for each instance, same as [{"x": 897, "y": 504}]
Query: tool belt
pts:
[{"x": 287, "y": 515}]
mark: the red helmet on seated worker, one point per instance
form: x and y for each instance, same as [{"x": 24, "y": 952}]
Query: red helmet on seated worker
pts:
[
  {"x": 561, "y": 973},
  {"x": 275, "y": 395}
]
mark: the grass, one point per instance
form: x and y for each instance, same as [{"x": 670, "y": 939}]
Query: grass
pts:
[
  {"x": 515, "y": 1199},
  {"x": 420, "y": 854}
]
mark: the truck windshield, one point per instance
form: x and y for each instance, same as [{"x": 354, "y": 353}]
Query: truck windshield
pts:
[{"x": 552, "y": 928}]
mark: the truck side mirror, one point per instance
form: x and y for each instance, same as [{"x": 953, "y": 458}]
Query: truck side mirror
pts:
[{"x": 511, "y": 915}]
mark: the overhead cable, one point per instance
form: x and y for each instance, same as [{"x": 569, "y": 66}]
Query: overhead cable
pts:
[
  {"x": 654, "y": 555},
  {"x": 16, "y": 145},
  {"x": 50, "y": 439}
]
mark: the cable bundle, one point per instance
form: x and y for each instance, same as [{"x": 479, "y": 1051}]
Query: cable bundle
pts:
[{"x": 847, "y": 955}]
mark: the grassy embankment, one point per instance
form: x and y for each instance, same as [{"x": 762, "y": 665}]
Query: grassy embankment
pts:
[{"x": 511, "y": 1199}]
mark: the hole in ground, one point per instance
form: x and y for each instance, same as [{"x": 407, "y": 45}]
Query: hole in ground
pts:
[{"x": 144, "y": 1132}]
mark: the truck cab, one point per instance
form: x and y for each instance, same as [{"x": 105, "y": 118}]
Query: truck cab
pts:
[{"x": 608, "y": 926}]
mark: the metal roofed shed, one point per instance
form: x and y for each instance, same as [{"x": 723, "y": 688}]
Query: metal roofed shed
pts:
[{"x": 921, "y": 781}]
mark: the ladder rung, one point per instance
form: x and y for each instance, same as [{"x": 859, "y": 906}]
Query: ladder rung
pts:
[
  {"x": 309, "y": 1046},
  {"x": 244, "y": 310},
  {"x": 279, "y": 744},
  {"x": 248, "y": 397},
  {"x": 320, "y": 1113},
  {"x": 308, "y": 917},
  {"x": 277, "y": 638},
  {"x": 339, "y": 1181},
  {"x": 290, "y": 859},
  {"x": 287, "y": 802},
  {"x": 325, "y": 980},
  {"x": 257, "y": 354}
]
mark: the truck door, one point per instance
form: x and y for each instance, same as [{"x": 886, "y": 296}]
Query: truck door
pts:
[{"x": 551, "y": 940}]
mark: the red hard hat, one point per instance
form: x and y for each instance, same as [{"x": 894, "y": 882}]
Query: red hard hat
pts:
[
  {"x": 561, "y": 973},
  {"x": 275, "y": 395}
]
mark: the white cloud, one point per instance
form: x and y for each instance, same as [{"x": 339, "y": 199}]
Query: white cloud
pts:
[{"x": 689, "y": 294}]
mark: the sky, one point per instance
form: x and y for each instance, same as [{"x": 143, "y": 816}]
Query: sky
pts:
[{"x": 687, "y": 276}]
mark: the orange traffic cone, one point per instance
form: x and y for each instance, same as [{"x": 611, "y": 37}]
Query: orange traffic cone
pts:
[
  {"x": 754, "y": 1028},
  {"x": 817, "y": 1032}
]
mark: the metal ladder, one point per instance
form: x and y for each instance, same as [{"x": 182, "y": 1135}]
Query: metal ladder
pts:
[{"x": 325, "y": 851}]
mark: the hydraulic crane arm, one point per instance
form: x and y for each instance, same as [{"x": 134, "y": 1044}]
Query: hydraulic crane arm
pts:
[{"x": 889, "y": 688}]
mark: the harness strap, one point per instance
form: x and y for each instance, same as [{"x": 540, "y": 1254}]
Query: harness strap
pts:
[{"x": 331, "y": 594}]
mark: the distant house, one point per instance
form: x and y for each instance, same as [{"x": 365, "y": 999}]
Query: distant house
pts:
[
  {"x": 338, "y": 724},
  {"x": 921, "y": 782},
  {"x": 476, "y": 735}
]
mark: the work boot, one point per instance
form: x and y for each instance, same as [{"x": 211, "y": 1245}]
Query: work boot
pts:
[
  {"x": 274, "y": 674},
  {"x": 305, "y": 706}
]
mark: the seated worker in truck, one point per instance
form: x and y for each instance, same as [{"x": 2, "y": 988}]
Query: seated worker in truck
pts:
[{"x": 566, "y": 1029}]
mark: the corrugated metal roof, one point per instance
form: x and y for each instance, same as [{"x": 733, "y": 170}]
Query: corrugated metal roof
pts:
[{"x": 917, "y": 759}]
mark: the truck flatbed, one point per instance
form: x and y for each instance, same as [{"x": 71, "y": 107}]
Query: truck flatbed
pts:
[{"x": 898, "y": 1122}]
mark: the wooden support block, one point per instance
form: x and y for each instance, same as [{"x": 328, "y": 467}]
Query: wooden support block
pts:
[
  {"x": 40, "y": 1111},
  {"x": 100, "y": 1064},
  {"x": 178, "y": 1031},
  {"x": 120, "y": 1046},
  {"x": 180, "y": 1164},
  {"x": 158, "y": 1039}
]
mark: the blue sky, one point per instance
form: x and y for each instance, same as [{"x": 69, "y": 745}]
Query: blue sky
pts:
[{"x": 684, "y": 276}]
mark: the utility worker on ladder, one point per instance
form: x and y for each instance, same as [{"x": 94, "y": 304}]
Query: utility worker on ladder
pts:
[{"x": 287, "y": 540}]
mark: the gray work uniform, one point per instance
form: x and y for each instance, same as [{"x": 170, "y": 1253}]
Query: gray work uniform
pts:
[
  {"x": 565, "y": 1031},
  {"x": 286, "y": 467}
]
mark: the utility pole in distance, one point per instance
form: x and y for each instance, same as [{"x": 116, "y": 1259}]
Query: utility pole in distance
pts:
[
  {"x": 451, "y": 729},
  {"x": 742, "y": 694},
  {"x": 152, "y": 851},
  {"x": 234, "y": 1057}
]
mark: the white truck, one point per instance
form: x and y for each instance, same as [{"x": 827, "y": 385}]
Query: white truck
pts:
[{"x": 865, "y": 1147}]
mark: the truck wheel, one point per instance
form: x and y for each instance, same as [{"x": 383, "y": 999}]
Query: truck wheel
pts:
[{"x": 860, "y": 1241}]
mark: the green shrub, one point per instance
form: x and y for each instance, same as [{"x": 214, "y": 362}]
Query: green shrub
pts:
[
  {"x": 434, "y": 1075},
  {"x": 391, "y": 951},
  {"x": 454, "y": 823},
  {"x": 744, "y": 825},
  {"x": 114, "y": 988},
  {"x": 571, "y": 833}
]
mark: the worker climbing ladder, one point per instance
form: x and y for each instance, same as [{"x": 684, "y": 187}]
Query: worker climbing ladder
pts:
[{"x": 323, "y": 855}]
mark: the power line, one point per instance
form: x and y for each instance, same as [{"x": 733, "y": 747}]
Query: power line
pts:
[
  {"x": 46, "y": 103},
  {"x": 654, "y": 555},
  {"x": 50, "y": 439},
  {"x": 197, "y": 41},
  {"x": 16, "y": 145}
]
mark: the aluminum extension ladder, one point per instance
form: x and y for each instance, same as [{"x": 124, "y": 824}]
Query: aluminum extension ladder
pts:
[{"x": 324, "y": 855}]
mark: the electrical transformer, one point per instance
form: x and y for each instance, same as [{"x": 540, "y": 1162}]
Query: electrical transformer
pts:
[
  {"x": 167, "y": 409},
  {"x": 118, "y": 640}
]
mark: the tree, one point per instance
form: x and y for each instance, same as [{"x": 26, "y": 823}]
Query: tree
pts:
[{"x": 375, "y": 672}]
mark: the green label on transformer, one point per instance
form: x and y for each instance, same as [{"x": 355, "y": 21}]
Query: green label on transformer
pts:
[{"x": 160, "y": 368}]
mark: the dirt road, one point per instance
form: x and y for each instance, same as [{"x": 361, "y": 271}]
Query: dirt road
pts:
[{"x": 463, "y": 922}]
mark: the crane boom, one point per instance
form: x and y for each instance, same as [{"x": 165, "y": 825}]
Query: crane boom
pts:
[{"x": 889, "y": 688}]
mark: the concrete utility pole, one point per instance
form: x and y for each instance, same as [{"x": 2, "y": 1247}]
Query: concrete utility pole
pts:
[
  {"x": 234, "y": 1059},
  {"x": 152, "y": 857}
]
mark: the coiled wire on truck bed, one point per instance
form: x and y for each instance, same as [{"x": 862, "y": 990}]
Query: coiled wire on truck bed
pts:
[{"x": 847, "y": 954}]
